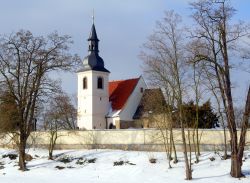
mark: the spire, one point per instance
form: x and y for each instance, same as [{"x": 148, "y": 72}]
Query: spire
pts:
[
  {"x": 93, "y": 61},
  {"x": 93, "y": 35},
  {"x": 93, "y": 39}
]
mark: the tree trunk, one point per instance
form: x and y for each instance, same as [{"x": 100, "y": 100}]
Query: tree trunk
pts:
[
  {"x": 52, "y": 143},
  {"x": 166, "y": 145},
  {"x": 198, "y": 142},
  {"x": 235, "y": 166},
  {"x": 235, "y": 161},
  {"x": 50, "y": 147},
  {"x": 187, "y": 167},
  {"x": 50, "y": 155},
  {"x": 195, "y": 139},
  {"x": 173, "y": 145},
  {"x": 225, "y": 156},
  {"x": 22, "y": 146},
  {"x": 244, "y": 128}
]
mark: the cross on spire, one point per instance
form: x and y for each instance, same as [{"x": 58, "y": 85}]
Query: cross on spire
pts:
[{"x": 93, "y": 16}]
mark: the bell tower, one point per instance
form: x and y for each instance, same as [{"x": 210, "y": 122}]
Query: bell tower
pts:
[{"x": 93, "y": 96}]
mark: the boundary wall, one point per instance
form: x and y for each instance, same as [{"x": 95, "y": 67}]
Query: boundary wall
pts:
[{"x": 129, "y": 139}]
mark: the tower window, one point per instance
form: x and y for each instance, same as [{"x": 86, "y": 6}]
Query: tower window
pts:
[
  {"x": 85, "y": 83},
  {"x": 100, "y": 83}
]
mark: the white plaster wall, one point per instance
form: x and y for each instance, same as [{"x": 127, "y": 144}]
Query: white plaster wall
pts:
[
  {"x": 84, "y": 108},
  {"x": 136, "y": 136},
  {"x": 92, "y": 102},
  {"x": 133, "y": 101},
  {"x": 100, "y": 100}
]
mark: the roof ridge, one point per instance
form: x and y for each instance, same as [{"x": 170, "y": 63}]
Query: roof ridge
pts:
[{"x": 124, "y": 79}]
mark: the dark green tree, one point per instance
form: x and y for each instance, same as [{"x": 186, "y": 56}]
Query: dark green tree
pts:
[
  {"x": 207, "y": 118},
  {"x": 8, "y": 113}
]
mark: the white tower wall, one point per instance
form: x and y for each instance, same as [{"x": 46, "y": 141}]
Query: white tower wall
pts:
[{"x": 92, "y": 102}]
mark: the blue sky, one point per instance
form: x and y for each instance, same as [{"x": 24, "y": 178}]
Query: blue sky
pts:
[{"x": 122, "y": 27}]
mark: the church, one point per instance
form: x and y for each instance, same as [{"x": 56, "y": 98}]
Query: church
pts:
[{"x": 104, "y": 104}]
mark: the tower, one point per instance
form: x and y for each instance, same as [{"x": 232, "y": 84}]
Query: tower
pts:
[{"x": 93, "y": 97}]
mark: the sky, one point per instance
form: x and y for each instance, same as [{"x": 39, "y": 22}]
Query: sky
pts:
[{"x": 122, "y": 27}]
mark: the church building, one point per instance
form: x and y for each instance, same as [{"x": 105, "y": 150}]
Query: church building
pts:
[{"x": 104, "y": 104}]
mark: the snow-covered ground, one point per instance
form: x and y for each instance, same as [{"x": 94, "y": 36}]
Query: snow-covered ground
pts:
[{"x": 94, "y": 166}]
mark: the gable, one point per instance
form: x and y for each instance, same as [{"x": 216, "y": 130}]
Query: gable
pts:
[
  {"x": 152, "y": 100},
  {"x": 119, "y": 92}
]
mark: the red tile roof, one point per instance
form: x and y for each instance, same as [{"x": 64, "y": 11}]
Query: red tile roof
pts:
[{"x": 119, "y": 92}]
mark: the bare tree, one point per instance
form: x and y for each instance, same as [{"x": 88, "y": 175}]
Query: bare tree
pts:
[
  {"x": 59, "y": 115},
  {"x": 25, "y": 62},
  {"x": 61, "y": 105},
  {"x": 217, "y": 37},
  {"x": 197, "y": 76},
  {"x": 213, "y": 87},
  {"x": 160, "y": 115},
  {"x": 165, "y": 65},
  {"x": 51, "y": 125}
]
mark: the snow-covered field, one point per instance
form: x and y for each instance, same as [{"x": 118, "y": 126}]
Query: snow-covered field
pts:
[{"x": 94, "y": 166}]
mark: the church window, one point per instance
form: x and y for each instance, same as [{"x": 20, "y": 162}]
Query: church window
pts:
[
  {"x": 100, "y": 83},
  {"x": 85, "y": 83}
]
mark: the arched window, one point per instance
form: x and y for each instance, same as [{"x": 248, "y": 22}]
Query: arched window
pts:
[
  {"x": 100, "y": 83},
  {"x": 85, "y": 83}
]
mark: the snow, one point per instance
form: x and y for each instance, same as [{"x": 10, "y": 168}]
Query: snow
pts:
[{"x": 42, "y": 170}]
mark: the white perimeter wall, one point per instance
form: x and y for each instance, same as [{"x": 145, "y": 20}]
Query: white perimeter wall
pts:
[{"x": 140, "y": 137}]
